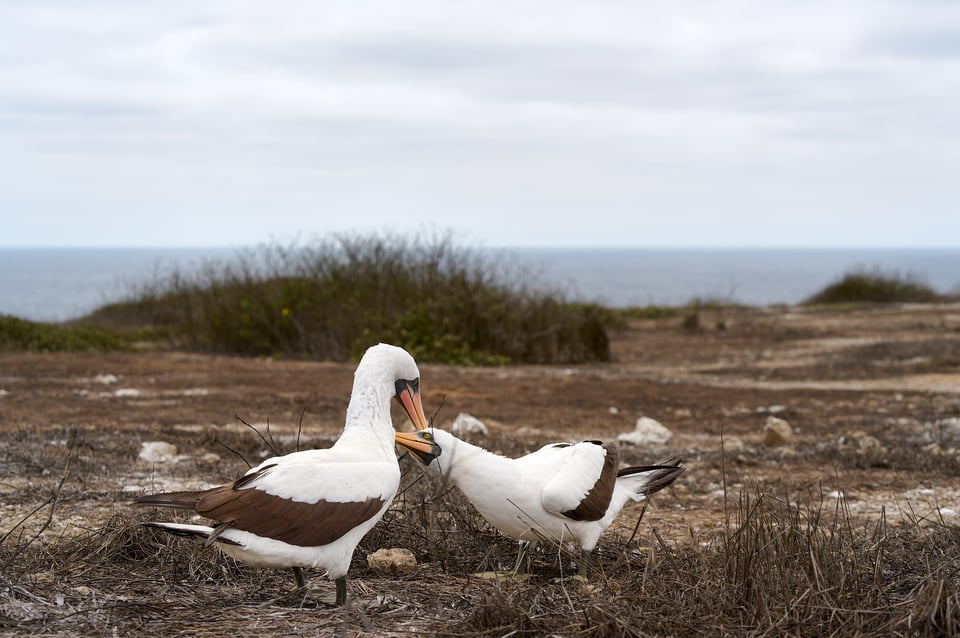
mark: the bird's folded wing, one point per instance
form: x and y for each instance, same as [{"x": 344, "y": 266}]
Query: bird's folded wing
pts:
[
  {"x": 301, "y": 503},
  {"x": 582, "y": 483},
  {"x": 308, "y": 477}
]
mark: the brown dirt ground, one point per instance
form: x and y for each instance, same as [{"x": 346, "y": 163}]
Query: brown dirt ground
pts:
[{"x": 873, "y": 396}]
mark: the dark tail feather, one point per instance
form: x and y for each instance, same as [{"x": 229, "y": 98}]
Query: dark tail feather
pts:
[
  {"x": 658, "y": 476},
  {"x": 179, "y": 500},
  {"x": 178, "y": 531},
  {"x": 193, "y": 531}
]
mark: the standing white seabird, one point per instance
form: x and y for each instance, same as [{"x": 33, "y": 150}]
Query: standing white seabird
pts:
[
  {"x": 311, "y": 508},
  {"x": 560, "y": 492}
]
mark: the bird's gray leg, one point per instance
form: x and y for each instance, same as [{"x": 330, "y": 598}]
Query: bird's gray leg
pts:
[
  {"x": 584, "y": 563},
  {"x": 298, "y": 575},
  {"x": 521, "y": 566},
  {"x": 341, "y": 590},
  {"x": 321, "y": 595}
]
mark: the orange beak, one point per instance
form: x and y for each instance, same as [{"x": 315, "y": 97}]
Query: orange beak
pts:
[
  {"x": 408, "y": 394},
  {"x": 420, "y": 444}
]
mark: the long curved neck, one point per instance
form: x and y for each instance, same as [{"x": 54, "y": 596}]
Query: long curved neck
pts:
[
  {"x": 368, "y": 416},
  {"x": 464, "y": 463}
]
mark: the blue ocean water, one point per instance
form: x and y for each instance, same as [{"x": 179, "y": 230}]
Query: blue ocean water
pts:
[
  {"x": 57, "y": 284},
  {"x": 621, "y": 277}
]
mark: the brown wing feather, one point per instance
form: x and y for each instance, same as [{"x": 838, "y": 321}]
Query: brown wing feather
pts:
[
  {"x": 297, "y": 523},
  {"x": 252, "y": 510},
  {"x": 594, "y": 504}
]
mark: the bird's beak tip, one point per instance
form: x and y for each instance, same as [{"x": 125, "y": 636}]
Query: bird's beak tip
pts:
[{"x": 419, "y": 445}]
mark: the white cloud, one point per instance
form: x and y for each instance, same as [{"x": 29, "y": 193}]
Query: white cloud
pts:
[{"x": 483, "y": 116}]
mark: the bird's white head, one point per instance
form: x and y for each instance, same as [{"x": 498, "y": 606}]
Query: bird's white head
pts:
[{"x": 387, "y": 370}]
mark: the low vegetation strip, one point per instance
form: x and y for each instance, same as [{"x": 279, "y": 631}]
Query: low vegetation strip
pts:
[
  {"x": 862, "y": 286},
  {"x": 333, "y": 299},
  {"x": 21, "y": 335}
]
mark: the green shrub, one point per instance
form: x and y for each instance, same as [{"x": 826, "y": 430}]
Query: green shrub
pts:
[
  {"x": 333, "y": 299},
  {"x": 22, "y": 335},
  {"x": 874, "y": 287},
  {"x": 650, "y": 312}
]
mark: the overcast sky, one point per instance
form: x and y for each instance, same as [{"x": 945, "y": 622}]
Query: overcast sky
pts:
[{"x": 638, "y": 123}]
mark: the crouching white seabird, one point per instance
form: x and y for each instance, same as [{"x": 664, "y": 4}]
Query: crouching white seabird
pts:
[
  {"x": 560, "y": 492},
  {"x": 311, "y": 508}
]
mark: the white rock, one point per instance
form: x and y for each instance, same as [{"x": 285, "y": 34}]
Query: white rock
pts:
[
  {"x": 468, "y": 424},
  {"x": 3, "y": 392},
  {"x": 106, "y": 379},
  {"x": 157, "y": 451},
  {"x": 613, "y": 409},
  {"x": 950, "y": 425},
  {"x": 392, "y": 561},
  {"x": 210, "y": 458},
  {"x": 772, "y": 409},
  {"x": 733, "y": 444},
  {"x": 776, "y": 431},
  {"x": 860, "y": 440},
  {"x": 647, "y": 432},
  {"x": 127, "y": 392}
]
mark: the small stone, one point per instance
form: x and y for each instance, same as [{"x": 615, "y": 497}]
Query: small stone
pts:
[
  {"x": 861, "y": 441},
  {"x": 772, "y": 409},
  {"x": 934, "y": 449},
  {"x": 646, "y": 432},
  {"x": 777, "y": 431},
  {"x": 157, "y": 451},
  {"x": 393, "y": 562},
  {"x": 210, "y": 458},
  {"x": 733, "y": 444},
  {"x": 106, "y": 379},
  {"x": 468, "y": 424},
  {"x": 127, "y": 392},
  {"x": 950, "y": 425}
]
